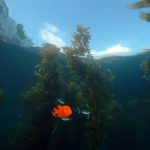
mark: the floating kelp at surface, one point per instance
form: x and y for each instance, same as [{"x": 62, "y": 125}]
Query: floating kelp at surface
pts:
[{"x": 139, "y": 5}]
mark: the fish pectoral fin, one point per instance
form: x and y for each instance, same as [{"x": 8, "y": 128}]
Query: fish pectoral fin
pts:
[
  {"x": 54, "y": 114},
  {"x": 55, "y": 111}
]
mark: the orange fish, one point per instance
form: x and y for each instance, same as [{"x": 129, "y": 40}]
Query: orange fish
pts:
[{"x": 62, "y": 111}]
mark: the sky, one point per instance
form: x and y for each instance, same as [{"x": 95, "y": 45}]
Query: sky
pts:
[{"x": 115, "y": 29}]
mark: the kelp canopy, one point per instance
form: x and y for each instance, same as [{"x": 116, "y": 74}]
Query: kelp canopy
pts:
[
  {"x": 76, "y": 78},
  {"x": 142, "y": 4}
]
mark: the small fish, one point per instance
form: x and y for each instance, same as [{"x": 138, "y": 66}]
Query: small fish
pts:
[
  {"x": 62, "y": 111},
  {"x": 78, "y": 110},
  {"x": 85, "y": 112},
  {"x": 60, "y": 101}
]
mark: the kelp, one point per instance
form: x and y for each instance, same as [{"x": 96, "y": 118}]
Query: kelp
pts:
[
  {"x": 39, "y": 100},
  {"x": 140, "y": 113},
  {"x": 145, "y": 67},
  {"x": 1, "y": 97},
  {"x": 140, "y": 109},
  {"x": 101, "y": 104},
  {"x": 93, "y": 83},
  {"x": 139, "y": 5},
  {"x": 87, "y": 85}
]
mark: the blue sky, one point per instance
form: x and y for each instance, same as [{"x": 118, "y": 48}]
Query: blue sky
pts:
[{"x": 115, "y": 29}]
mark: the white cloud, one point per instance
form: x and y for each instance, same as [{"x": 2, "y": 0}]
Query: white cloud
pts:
[
  {"x": 113, "y": 50},
  {"x": 51, "y": 34}
]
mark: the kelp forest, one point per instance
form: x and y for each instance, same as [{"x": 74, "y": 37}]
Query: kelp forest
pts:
[
  {"x": 81, "y": 83},
  {"x": 77, "y": 79},
  {"x": 72, "y": 103}
]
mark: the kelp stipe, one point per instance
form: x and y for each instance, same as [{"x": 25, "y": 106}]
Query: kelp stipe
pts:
[
  {"x": 1, "y": 97},
  {"x": 145, "y": 67},
  {"x": 93, "y": 85},
  {"x": 39, "y": 100}
]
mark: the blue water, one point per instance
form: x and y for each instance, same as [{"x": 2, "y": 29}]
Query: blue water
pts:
[{"x": 130, "y": 130}]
